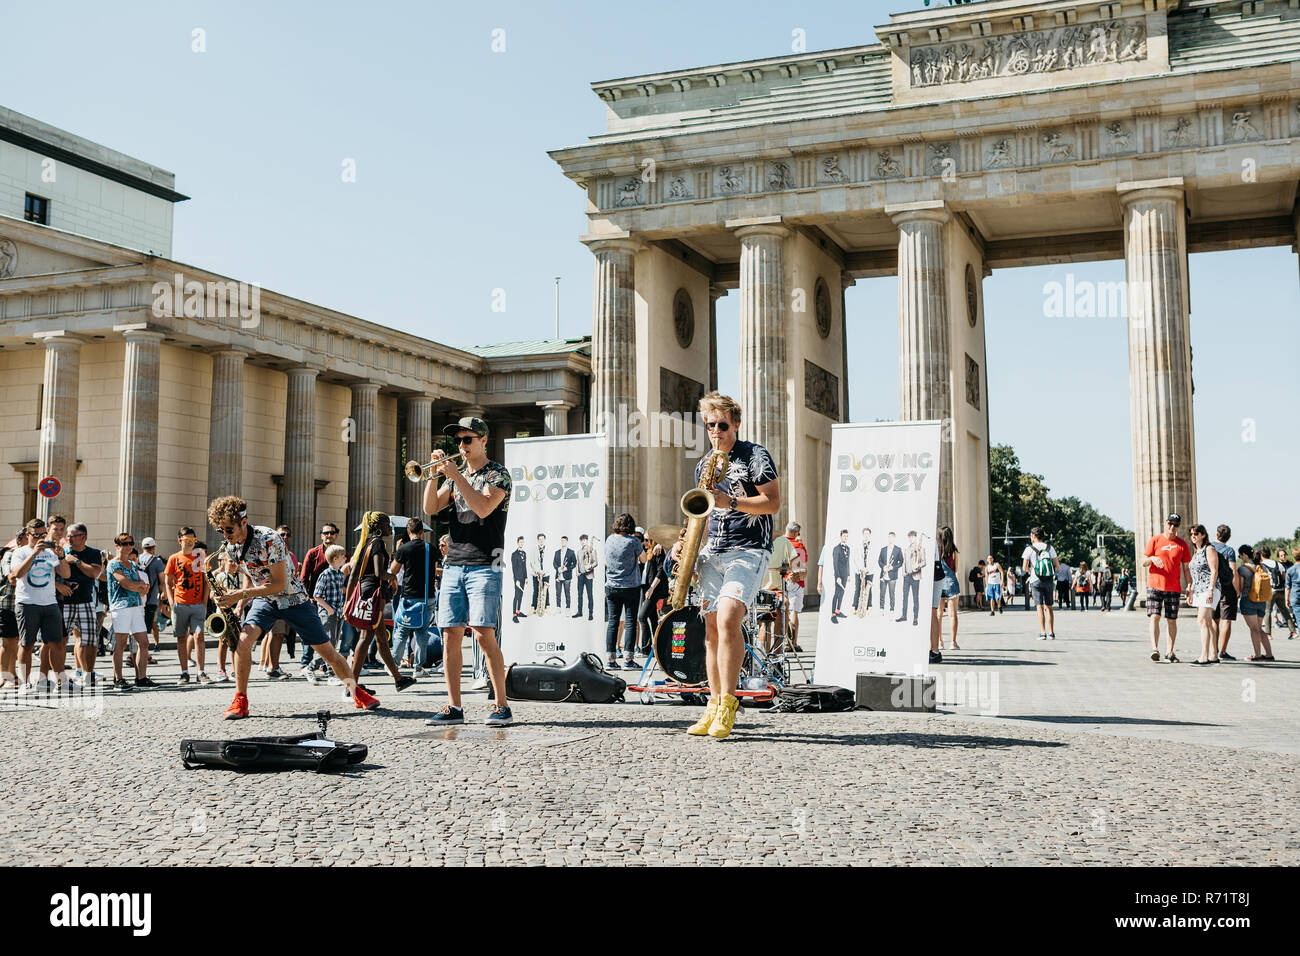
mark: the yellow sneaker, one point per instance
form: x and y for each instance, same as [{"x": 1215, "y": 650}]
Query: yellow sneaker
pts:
[
  {"x": 701, "y": 726},
  {"x": 726, "y": 717}
]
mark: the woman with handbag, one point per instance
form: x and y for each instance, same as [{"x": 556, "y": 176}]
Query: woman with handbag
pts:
[
  {"x": 368, "y": 586},
  {"x": 413, "y": 614}
]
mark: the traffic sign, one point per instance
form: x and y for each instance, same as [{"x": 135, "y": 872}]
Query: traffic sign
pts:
[{"x": 49, "y": 487}]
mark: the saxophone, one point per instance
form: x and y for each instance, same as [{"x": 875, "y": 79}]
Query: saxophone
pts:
[
  {"x": 696, "y": 505},
  {"x": 223, "y": 625}
]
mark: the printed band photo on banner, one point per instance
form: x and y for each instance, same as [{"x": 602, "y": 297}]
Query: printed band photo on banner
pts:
[
  {"x": 878, "y": 559},
  {"x": 553, "y": 568}
]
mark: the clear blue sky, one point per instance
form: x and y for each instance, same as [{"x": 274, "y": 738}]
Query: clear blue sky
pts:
[{"x": 456, "y": 196}]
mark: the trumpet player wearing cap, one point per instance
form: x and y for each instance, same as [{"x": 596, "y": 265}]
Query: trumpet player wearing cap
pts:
[
  {"x": 734, "y": 561},
  {"x": 470, "y": 593},
  {"x": 275, "y": 594}
]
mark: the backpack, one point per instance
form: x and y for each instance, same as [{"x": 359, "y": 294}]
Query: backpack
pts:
[
  {"x": 1276, "y": 576},
  {"x": 1261, "y": 587},
  {"x": 1107, "y": 577},
  {"x": 813, "y": 699},
  {"x": 1043, "y": 563}
]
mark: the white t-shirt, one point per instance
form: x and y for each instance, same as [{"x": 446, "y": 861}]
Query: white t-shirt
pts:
[
  {"x": 1033, "y": 553},
  {"x": 37, "y": 586},
  {"x": 993, "y": 575}
]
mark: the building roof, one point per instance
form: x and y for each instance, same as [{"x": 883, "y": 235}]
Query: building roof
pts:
[
  {"x": 84, "y": 154},
  {"x": 581, "y": 345}
]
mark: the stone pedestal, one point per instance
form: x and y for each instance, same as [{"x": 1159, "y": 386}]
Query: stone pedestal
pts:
[
  {"x": 1160, "y": 359},
  {"x": 363, "y": 456},
  {"x": 226, "y": 429},
  {"x": 924, "y": 360},
  {"x": 137, "y": 480},
  {"x": 419, "y": 444},
  {"x": 613, "y": 370},
  {"x": 58, "y": 449},
  {"x": 763, "y": 398},
  {"x": 300, "y": 457}
]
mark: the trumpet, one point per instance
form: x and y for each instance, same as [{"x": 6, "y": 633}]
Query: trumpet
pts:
[{"x": 416, "y": 472}]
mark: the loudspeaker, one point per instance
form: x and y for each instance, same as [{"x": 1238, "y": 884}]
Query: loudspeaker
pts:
[{"x": 895, "y": 692}]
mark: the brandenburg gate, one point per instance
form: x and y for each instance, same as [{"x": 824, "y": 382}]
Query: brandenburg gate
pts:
[{"x": 970, "y": 138}]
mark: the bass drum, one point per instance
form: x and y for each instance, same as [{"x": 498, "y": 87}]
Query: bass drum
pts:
[{"x": 679, "y": 645}]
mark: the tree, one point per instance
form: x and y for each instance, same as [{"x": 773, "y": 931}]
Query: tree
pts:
[{"x": 1023, "y": 499}]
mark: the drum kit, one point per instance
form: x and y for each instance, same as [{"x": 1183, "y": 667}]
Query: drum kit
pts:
[{"x": 680, "y": 652}]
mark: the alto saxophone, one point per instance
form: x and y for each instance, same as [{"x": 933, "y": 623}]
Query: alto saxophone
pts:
[
  {"x": 696, "y": 504},
  {"x": 223, "y": 625}
]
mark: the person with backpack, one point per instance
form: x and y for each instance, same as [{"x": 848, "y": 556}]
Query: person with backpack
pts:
[
  {"x": 1105, "y": 584},
  {"x": 1256, "y": 592},
  {"x": 1040, "y": 564},
  {"x": 1229, "y": 589},
  {"x": 1277, "y": 580},
  {"x": 1083, "y": 585}
]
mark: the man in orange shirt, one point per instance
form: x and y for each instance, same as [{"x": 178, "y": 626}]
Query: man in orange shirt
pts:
[
  {"x": 187, "y": 592},
  {"x": 1167, "y": 556}
]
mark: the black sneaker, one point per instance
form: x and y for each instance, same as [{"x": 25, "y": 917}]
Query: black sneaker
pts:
[
  {"x": 123, "y": 684},
  {"x": 1155, "y": 656},
  {"x": 403, "y": 682},
  {"x": 499, "y": 716},
  {"x": 447, "y": 717},
  {"x": 185, "y": 677},
  {"x": 1225, "y": 656},
  {"x": 936, "y": 657},
  {"x": 1172, "y": 658},
  {"x": 145, "y": 682}
]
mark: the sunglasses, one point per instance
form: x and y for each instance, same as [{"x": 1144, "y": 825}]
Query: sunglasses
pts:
[
  {"x": 127, "y": 544},
  {"x": 465, "y": 439},
  {"x": 227, "y": 532},
  {"x": 720, "y": 426},
  {"x": 328, "y": 533}
]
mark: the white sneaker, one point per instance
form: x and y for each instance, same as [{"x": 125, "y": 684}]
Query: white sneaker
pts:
[
  {"x": 310, "y": 675},
  {"x": 8, "y": 685},
  {"x": 479, "y": 684},
  {"x": 334, "y": 681},
  {"x": 223, "y": 677},
  {"x": 1042, "y": 637},
  {"x": 422, "y": 672}
]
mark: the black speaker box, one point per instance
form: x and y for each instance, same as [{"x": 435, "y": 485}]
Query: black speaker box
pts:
[{"x": 895, "y": 692}]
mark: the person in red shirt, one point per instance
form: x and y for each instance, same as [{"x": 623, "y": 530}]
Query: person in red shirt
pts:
[{"x": 1166, "y": 561}]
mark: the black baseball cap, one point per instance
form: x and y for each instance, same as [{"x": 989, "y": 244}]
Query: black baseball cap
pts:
[
  {"x": 1174, "y": 519},
  {"x": 469, "y": 423}
]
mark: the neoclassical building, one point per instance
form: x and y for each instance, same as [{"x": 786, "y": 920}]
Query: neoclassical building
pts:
[
  {"x": 968, "y": 138},
  {"x": 148, "y": 386}
]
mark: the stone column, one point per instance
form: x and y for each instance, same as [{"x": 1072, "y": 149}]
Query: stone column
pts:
[
  {"x": 924, "y": 362},
  {"x": 716, "y": 292},
  {"x": 363, "y": 456},
  {"x": 58, "y": 450},
  {"x": 137, "y": 474},
  {"x": 763, "y": 373},
  {"x": 1160, "y": 358},
  {"x": 419, "y": 444},
  {"x": 845, "y": 281},
  {"x": 613, "y": 371},
  {"x": 226, "y": 429},
  {"x": 555, "y": 417},
  {"x": 300, "y": 457}
]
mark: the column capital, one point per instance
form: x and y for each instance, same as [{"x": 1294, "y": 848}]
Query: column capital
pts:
[
  {"x": 139, "y": 332},
  {"x": 60, "y": 339},
  {"x": 303, "y": 370},
  {"x": 928, "y": 210},
  {"x": 622, "y": 241},
  {"x": 1171, "y": 188},
  {"x": 773, "y": 226},
  {"x": 716, "y": 292},
  {"x": 366, "y": 385},
  {"x": 565, "y": 406},
  {"x": 419, "y": 397},
  {"x": 231, "y": 351},
  {"x": 472, "y": 411}
]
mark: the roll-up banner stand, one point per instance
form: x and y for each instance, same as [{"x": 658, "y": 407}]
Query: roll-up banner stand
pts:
[
  {"x": 878, "y": 560},
  {"x": 557, "y": 496}
]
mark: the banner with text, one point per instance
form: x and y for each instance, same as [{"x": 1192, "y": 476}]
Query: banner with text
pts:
[
  {"x": 878, "y": 560},
  {"x": 552, "y": 586}
]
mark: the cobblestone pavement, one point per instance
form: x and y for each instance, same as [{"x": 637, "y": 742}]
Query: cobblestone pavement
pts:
[{"x": 622, "y": 784}]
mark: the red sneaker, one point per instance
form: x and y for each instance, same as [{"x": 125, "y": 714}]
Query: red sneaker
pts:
[
  {"x": 238, "y": 708},
  {"x": 363, "y": 700}
]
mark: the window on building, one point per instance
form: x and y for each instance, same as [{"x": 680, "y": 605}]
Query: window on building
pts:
[{"x": 36, "y": 209}]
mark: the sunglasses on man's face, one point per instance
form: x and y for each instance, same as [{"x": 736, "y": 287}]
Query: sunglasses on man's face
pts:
[
  {"x": 720, "y": 426},
  {"x": 227, "y": 532},
  {"x": 328, "y": 534},
  {"x": 465, "y": 439}
]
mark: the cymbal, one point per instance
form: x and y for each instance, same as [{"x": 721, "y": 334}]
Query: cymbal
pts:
[{"x": 664, "y": 534}]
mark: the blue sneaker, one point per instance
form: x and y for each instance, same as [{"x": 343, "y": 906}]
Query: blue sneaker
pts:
[
  {"x": 499, "y": 716},
  {"x": 446, "y": 717}
]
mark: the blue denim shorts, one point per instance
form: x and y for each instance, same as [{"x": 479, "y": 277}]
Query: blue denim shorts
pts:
[
  {"x": 733, "y": 574},
  {"x": 470, "y": 595},
  {"x": 262, "y": 614},
  {"x": 1253, "y": 608}
]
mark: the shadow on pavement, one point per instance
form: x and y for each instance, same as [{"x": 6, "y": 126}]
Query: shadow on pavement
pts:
[
  {"x": 1068, "y": 719},
  {"x": 996, "y": 661}
]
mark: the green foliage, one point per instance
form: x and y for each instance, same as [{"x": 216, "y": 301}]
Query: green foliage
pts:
[
  {"x": 1071, "y": 525},
  {"x": 1290, "y": 544}
]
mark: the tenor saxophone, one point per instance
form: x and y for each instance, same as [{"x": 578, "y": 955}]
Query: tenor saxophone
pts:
[
  {"x": 696, "y": 504},
  {"x": 223, "y": 625}
]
